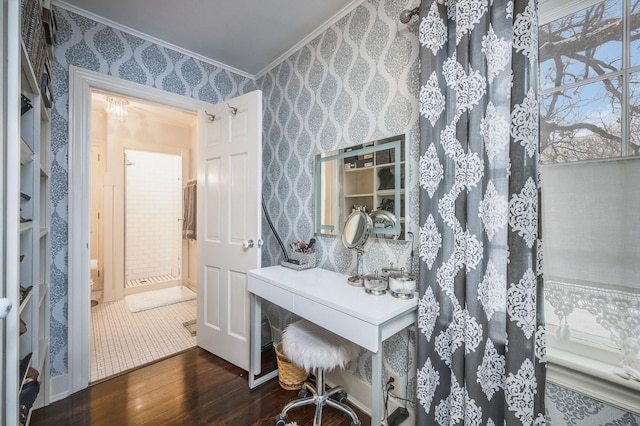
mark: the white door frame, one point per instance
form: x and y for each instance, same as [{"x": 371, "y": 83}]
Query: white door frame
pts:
[{"x": 81, "y": 83}]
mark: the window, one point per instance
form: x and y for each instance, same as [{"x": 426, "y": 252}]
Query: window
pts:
[{"x": 590, "y": 179}]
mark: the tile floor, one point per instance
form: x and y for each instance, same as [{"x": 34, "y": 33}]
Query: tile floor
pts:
[{"x": 121, "y": 340}]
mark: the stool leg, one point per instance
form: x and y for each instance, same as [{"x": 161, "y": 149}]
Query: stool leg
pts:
[
  {"x": 335, "y": 390},
  {"x": 320, "y": 400},
  {"x": 297, "y": 403},
  {"x": 320, "y": 397},
  {"x": 345, "y": 409},
  {"x": 309, "y": 387}
]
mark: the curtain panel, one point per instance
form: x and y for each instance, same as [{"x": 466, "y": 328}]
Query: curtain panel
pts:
[{"x": 481, "y": 350}]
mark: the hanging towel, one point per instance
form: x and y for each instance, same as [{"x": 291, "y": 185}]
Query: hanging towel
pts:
[{"x": 189, "y": 205}]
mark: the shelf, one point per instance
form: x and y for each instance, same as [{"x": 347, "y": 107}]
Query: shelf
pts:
[
  {"x": 30, "y": 195},
  {"x": 26, "y": 153},
  {"x": 389, "y": 191},
  {"x": 26, "y": 301},
  {"x": 28, "y": 75},
  {"x": 25, "y": 363},
  {"x": 30, "y": 83},
  {"x": 43, "y": 292},
  {"x": 43, "y": 352},
  {"x": 387, "y": 165},
  {"x": 358, "y": 169},
  {"x": 358, "y": 195}
]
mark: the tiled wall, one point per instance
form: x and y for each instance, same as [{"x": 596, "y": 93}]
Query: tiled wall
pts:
[{"x": 153, "y": 200}]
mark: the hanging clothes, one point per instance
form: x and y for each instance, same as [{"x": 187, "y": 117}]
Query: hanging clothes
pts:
[{"x": 189, "y": 206}]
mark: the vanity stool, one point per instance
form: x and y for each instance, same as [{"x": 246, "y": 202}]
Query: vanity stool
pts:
[{"x": 316, "y": 349}]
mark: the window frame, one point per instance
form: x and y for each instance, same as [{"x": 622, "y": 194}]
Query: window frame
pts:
[{"x": 588, "y": 374}]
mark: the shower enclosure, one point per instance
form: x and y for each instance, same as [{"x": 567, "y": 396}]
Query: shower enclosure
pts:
[{"x": 153, "y": 214}]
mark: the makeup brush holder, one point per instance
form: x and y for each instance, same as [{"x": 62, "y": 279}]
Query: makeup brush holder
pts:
[{"x": 300, "y": 261}]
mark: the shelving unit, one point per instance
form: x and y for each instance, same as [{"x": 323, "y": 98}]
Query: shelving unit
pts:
[
  {"x": 365, "y": 185},
  {"x": 26, "y": 202}
]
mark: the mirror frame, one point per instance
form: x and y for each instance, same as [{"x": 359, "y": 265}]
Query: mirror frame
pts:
[
  {"x": 366, "y": 231},
  {"x": 396, "y": 143}
]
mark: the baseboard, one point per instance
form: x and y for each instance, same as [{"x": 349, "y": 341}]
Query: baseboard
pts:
[
  {"x": 60, "y": 388},
  {"x": 359, "y": 393}
]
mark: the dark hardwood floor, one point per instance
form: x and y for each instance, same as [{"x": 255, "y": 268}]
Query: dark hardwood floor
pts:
[{"x": 191, "y": 388}]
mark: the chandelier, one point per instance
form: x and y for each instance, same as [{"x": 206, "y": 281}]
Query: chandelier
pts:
[{"x": 117, "y": 108}]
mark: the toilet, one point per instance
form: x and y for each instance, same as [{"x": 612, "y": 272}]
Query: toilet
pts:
[{"x": 94, "y": 267}]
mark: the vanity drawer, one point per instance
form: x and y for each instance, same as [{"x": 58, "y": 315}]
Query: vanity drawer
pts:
[
  {"x": 272, "y": 293},
  {"x": 351, "y": 328}
]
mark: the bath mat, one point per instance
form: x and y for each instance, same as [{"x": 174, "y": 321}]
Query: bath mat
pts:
[{"x": 156, "y": 298}]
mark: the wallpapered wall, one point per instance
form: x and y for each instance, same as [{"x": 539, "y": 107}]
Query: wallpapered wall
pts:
[
  {"x": 91, "y": 45},
  {"x": 357, "y": 81}
]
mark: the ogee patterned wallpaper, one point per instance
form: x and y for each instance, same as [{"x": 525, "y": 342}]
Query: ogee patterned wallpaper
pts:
[{"x": 357, "y": 81}]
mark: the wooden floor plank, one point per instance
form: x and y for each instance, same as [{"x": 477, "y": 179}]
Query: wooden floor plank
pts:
[{"x": 191, "y": 388}]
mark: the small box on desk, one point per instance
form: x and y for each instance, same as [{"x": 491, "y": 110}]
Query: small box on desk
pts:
[{"x": 300, "y": 261}]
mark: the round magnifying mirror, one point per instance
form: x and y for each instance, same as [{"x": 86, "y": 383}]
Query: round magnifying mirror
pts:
[
  {"x": 355, "y": 234},
  {"x": 384, "y": 220},
  {"x": 356, "y": 230}
]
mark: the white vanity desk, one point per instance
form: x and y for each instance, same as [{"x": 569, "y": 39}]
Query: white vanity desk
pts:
[{"x": 325, "y": 298}]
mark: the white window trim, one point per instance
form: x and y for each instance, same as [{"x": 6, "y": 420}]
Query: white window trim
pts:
[{"x": 592, "y": 378}]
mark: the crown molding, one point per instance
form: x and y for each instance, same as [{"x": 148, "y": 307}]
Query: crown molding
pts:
[
  {"x": 322, "y": 28},
  {"x": 165, "y": 44}
]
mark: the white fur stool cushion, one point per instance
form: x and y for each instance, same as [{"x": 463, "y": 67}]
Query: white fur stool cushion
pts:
[{"x": 311, "y": 346}]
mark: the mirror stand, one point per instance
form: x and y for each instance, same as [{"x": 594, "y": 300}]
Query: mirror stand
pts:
[
  {"x": 355, "y": 234},
  {"x": 357, "y": 280}
]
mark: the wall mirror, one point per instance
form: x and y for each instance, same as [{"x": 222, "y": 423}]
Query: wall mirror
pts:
[{"x": 369, "y": 177}]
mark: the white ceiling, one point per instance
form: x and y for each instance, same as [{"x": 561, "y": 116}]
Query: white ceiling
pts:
[{"x": 249, "y": 36}]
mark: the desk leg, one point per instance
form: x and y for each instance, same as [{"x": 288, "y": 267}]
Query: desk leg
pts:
[
  {"x": 255, "y": 344},
  {"x": 376, "y": 390},
  {"x": 256, "y": 335}
]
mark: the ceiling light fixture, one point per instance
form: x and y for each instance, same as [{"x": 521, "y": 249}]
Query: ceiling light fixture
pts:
[{"x": 117, "y": 108}]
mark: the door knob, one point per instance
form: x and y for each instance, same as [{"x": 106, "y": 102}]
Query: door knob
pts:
[{"x": 247, "y": 244}]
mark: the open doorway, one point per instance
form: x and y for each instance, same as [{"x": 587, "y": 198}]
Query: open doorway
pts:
[{"x": 143, "y": 273}]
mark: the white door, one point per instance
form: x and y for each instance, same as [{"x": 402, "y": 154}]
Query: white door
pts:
[{"x": 229, "y": 191}]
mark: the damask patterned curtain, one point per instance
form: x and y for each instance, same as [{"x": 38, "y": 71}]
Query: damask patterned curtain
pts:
[{"x": 481, "y": 352}]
